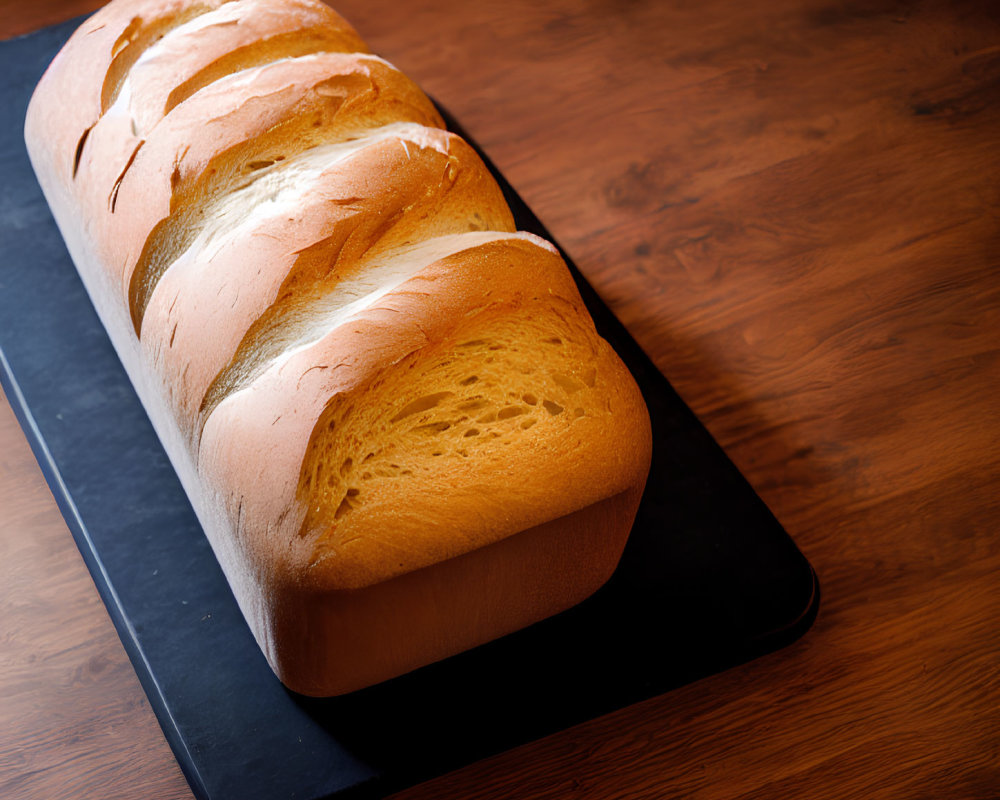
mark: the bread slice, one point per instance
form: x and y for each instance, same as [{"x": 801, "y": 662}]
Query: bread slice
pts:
[{"x": 391, "y": 410}]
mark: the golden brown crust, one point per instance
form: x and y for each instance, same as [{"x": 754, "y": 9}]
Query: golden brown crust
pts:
[
  {"x": 219, "y": 140},
  {"x": 231, "y": 39},
  {"x": 418, "y": 618},
  {"x": 257, "y": 441},
  {"x": 392, "y": 413},
  {"x": 391, "y": 194},
  {"x": 201, "y": 317}
]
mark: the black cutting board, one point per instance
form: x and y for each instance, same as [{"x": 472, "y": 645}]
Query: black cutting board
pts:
[{"x": 709, "y": 578}]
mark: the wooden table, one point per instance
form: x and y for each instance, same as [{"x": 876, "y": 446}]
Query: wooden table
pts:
[{"x": 795, "y": 208}]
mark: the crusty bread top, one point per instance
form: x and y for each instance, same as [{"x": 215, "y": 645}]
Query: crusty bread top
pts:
[
  {"x": 370, "y": 368},
  {"x": 431, "y": 428}
]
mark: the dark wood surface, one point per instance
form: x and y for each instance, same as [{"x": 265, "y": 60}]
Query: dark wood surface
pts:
[{"x": 795, "y": 208}]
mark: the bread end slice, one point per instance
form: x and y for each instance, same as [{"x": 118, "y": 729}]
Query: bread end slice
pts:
[{"x": 327, "y": 643}]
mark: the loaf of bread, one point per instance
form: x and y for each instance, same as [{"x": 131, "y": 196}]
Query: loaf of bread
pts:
[{"x": 390, "y": 410}]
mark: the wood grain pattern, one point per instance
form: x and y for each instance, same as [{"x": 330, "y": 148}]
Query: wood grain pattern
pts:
[
  {"x": 795, "y": 208},
  {"x": 74, "y": 722}
]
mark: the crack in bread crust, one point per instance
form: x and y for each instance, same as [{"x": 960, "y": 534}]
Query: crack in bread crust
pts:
[{"x": 294, "y": 142}]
